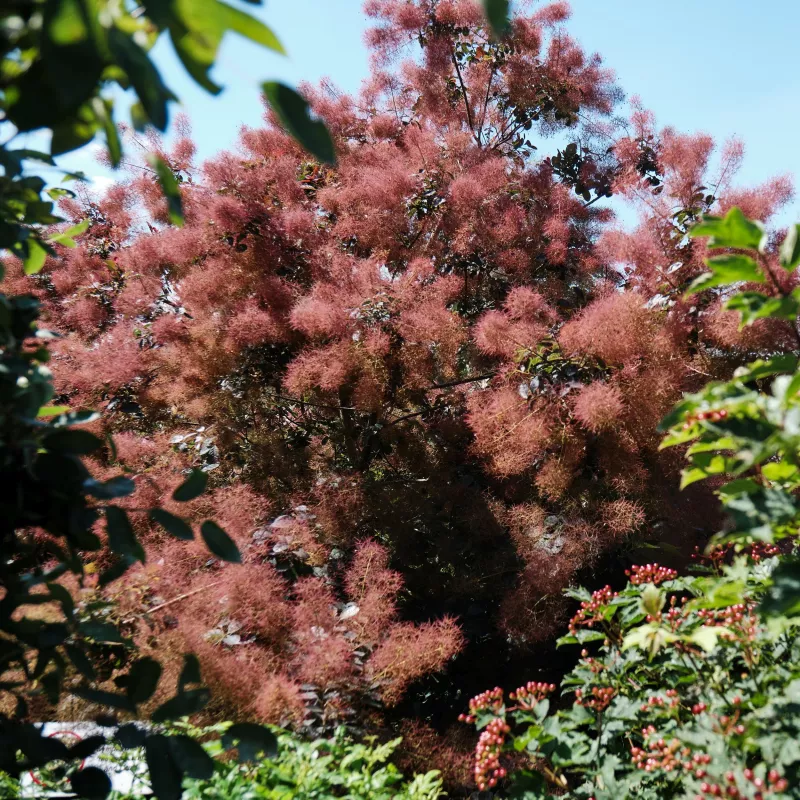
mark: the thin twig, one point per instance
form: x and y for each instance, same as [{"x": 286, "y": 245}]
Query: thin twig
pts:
[
  {"x": 466, "y": 97},
  {"x": 174, "y": 600},
  {"x": 473, "y": 379}
]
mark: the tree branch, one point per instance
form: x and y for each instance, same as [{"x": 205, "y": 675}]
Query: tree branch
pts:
[{"x": 465, "y": 96}]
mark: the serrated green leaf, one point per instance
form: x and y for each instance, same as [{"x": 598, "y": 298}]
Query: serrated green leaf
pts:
[
  {"x": 726, "y": 270},
  {"x": 754, "y": 306},
  {"x": 733, "y": 230},
  {"x": 706, "y": 637}
]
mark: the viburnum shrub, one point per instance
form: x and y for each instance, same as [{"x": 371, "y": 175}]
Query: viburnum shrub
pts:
[
  {"x": 693, "y": 691},
  {"x": 680, "y": 692}
]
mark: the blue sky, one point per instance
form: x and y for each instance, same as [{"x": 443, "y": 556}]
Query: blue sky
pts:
[{"x": 719, "y": 66}]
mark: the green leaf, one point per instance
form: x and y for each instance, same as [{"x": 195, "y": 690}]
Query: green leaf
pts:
[
  {"x": 706, "y": 637},
  {"x": 219, "y": 543},
  {"x": 80, "y": 661},
  {"x": 497, "y": 14},
  {"x": 52, "y": 411},
  {"x": 248, "y": 26},
  {"x": 72, "y": 440},
  {"x": 144, "y": 77},
  {"x": 101, "y": 631},
  {"x": 139, "y": 118},
  {"x": 725, "y": 270},
  {"x": 130, "y": 736},
  {"x": 87, "y": 747},
  {"x": 756, "y": 370},
  {"x": 75, "y": 130},
  {"x": 651, "y": 637},
  {"x": 754, "y": 305},
  {"x": 190, "y": 673},
  {"x": 783, "y": 596},
  {"x": 719, "y": 593},
  {"x": 790, "y": 249},
  {"x": 190, "y": 757},
  {"x": 110, "y": 489},
  {"x": 293, "y": 112},
  {"x": 196, "y": 28},
  {"x": 739, "y": 486},
  {"x": 252, "y": 741},
  {"x": 34, "y": 257},
  {"x": 169, "y": 185},
  {"x": 651, "y": 600},
  {"x": 733, "y": 230},
  {"x": 91, "y": 783},
  {"x": 172, "y": 524},
  {"x": 192, "y": 487},
  {"x": 104, "y": 113},
  {"x": 165, "y": 777},
  {"x": 142, "y": 680},
  {"x": 104, "y": 698},
  {"x": 182, "y": 705},
  {"x": 67, "y": 237},
  {"x": 57, "y": 192},
  {"x": 121, "y": 537}
]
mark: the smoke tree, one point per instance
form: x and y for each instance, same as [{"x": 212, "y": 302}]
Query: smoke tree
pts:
[{"x": 424, "y": 383}]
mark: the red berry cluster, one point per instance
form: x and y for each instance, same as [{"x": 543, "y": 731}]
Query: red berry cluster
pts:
[
  {"x": 715, "y": 555},
  {"x": 650, "y": 573},
  {"x": 671, "y": 701},
  {"x": 599, "y": 700},
  {"x": 731, "y": 725},
  {"x": 739, "y": 618},
  {"x": 676, "y": 614},
  {"x": 594, "y": 665},
  {"x": 759, "y": 550},
  {"x": 668, "y": 756},
  {"x": 711, "y": 416},
  {"x": 491, "y": 699},
  {"x": 487, "y": 754},
  {"x": 588, "y": 612},
  {"x": 531, "y": 693},
  {"x": 699, "y": 708},
  {"x": 774, "y": 783}
]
